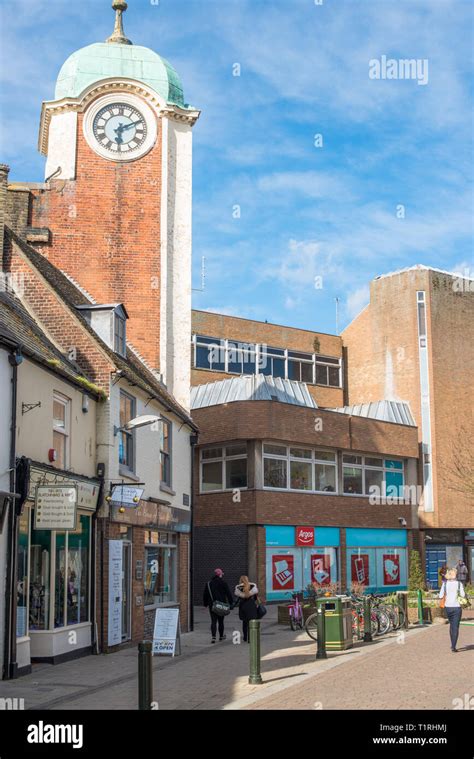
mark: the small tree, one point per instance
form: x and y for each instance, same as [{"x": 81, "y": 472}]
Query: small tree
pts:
[{"x": 416, "y": 580}]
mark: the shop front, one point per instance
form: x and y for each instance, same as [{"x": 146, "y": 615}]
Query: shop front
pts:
[
  {"x": 443, "y": 548},
  {"x": 376, "y": 559},
  {"x": 297, "y": 556},
  {"x": 54, "y": 604}
]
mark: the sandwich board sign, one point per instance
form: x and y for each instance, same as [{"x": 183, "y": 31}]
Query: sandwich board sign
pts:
[{"x": 167, "y": 632}]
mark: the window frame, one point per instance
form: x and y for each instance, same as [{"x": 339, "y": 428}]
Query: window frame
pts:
[
  {"x": 262, "y": 351},
  {"x": 223, "y": 459},
  {"x": 125, "y": 468},
  {"x": 64, "y": 401},
  {"x": 370, "y": 467},
  {"x": 169, "y": 425},
  {"x": 311, "y": 461},
  {"x": 120, "y": 334}
]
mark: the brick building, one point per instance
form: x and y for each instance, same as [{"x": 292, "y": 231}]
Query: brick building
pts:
[
  {"x": 291, "y": 485},
  {"x": 103, "y": 249},
  {"x": 415, "y": 342}
]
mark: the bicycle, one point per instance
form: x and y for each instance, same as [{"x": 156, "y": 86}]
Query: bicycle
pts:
[{"x": 296, "y": 612}]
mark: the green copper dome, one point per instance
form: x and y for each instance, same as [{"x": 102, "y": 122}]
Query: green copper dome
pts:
[{"x": 104, "y": 61}]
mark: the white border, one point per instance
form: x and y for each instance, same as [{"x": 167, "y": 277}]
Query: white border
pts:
[{"x": 136, "y": 102}]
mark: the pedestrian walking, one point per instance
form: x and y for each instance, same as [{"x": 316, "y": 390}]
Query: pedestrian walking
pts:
[
  {"x": 246, "y": 592},
  {"x": 452, "y": 590},
  {"x": 461, "y": 572},
  {"x": 219, "y": 600},
  {"x": 442, "y": 574}
]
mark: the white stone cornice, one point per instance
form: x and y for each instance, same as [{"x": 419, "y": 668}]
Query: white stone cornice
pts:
[{"x": 167, "y": 110}]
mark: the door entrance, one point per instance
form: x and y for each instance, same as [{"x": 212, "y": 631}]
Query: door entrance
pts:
[
  {"x": 435, "y": 559},
  {"x": 126, "y": 590}
]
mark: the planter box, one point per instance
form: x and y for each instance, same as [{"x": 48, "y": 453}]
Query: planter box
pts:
[{"x": 430, "y": 614}]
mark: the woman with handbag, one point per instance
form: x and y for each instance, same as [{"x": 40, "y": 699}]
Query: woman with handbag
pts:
[
  {"x": 454, "y": 597},
  {"x": 218, "y": 599},
  {"x": 247, "y": 592}
]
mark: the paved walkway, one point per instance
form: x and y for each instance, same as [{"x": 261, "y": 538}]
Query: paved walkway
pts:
[{"x": 418, "y": 673}]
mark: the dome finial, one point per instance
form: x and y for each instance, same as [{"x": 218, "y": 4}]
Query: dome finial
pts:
[{"x": 118, "y": 35}]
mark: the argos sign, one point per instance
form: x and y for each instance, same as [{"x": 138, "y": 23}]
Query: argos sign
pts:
[{"x": 305, "y": 536}]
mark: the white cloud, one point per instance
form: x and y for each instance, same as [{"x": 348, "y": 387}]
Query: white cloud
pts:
[{"x": 357, "y": 300}]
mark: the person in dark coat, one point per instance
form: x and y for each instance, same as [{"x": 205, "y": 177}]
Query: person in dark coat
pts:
[
  {"x": 461, "y": 572},
  {"x": 246, "y": 592},
  {"x": 217, "y": 590}
]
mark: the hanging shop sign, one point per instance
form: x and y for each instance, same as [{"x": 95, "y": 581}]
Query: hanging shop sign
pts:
[
  {"x": 126, "y": 495},
  {"x": 87, "y": 491},
  {"x": 167, "y": 632},
  {"x": 114, "y": 635},
  {"x": 55, "y": 507}
]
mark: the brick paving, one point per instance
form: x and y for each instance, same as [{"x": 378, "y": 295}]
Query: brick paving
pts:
[{"x": 420, "y": 673}]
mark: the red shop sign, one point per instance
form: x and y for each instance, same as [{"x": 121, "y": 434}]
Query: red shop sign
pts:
[{"x": 305, "y": 536}]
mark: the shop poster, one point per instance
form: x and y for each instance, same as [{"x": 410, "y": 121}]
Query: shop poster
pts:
[
  {"x": 391, "y": 569},
  {"x": 283, "y": 572},
  {"x": 360, "y": 568},
  {"x": 321, "y": 568}
]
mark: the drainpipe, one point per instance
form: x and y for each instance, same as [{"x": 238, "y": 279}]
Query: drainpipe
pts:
[{"x": 10, "y": 663}]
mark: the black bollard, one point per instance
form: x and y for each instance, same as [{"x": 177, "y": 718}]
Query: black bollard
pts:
[
  {"x": 255, "y": 678},
  {"x": 367, "y": 620},
  {"x": 321, "y": 626},
  {"x": 145, "y": 675}
]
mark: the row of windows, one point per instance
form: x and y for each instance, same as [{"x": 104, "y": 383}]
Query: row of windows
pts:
[
  {"x": 252, "y": 358},
  {"x": 292, "y": 468}
]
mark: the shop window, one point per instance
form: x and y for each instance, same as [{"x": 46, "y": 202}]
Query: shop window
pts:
[
  {"x": 224, "y": 468},
  {"x": 126, "y": 442},
  {"x": 275, "y": 472},
  {"x": 325, "y": 478},
  {"x": 40, "y": 571},
  {"x": 160, "y": 568},
  {"x": 165, "y": 452},
  {"x": 70, "y": 574},
  {"x": 300, "y": 475},
  {"x": 22, "y": 574},
  {"x": 61, "y": 425}
]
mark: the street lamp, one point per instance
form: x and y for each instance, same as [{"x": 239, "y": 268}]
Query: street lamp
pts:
[{"x": 139, "y": 421}]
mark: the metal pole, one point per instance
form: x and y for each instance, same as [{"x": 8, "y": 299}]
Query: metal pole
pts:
[
  {"x": 367, "y": 620},
  {"x": 145, "y": 676},
  {"x": 420, "y": 607},
  {"x": 321, "y": 627},
  {"x": 255, "y": 678}
]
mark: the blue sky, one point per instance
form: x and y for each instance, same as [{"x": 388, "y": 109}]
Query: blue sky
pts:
[{"x": 306, "y": 212}]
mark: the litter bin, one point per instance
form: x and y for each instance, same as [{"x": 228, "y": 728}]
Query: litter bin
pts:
[{"x": 338, "y": 614}]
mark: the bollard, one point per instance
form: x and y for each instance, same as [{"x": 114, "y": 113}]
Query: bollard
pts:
[
  {"x": 367, "y": 620},
  {"x": 145, "y": 675},
  {"x": 321, "y": 626},
  {"x": 255, "y": 678},
  {"x": 402, "y": 600},
  {"x": 420, "y": 607}
]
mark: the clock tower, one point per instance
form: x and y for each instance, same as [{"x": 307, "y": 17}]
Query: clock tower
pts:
[{"x": 117, "y": 194}]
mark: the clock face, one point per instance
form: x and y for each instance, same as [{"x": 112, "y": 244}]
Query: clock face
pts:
[{"x": 120, "y": 128}]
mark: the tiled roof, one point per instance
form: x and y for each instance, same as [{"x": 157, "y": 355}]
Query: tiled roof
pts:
[
  {"x": 18, "y": 327},
  {"x": 251, "y": 388},
  {"x": 131, "y": 367},
  {"x": 398, "y": 412}
]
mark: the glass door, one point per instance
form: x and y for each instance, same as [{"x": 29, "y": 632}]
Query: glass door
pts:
[{"x": 126, "y": 589}]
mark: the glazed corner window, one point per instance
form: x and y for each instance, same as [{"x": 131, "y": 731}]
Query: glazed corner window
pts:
[
  {"x": 126, "y": 442},
  {"x": 61, "y": 422},
  {"x": 224, "y": 468},
  {"x": 299, "y": 469},
  {"x": 165, "y": 453},
  {"x": 120, "y": 343}
]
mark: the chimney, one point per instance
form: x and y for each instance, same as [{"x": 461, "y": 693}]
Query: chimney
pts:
[{"x": 4, "y": 169}]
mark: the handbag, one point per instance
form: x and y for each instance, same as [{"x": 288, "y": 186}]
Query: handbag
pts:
[
  {"x": 221, "y": 608},
  {"x": 463, "y": 601},
  {"x": 261, "y": 610}
]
